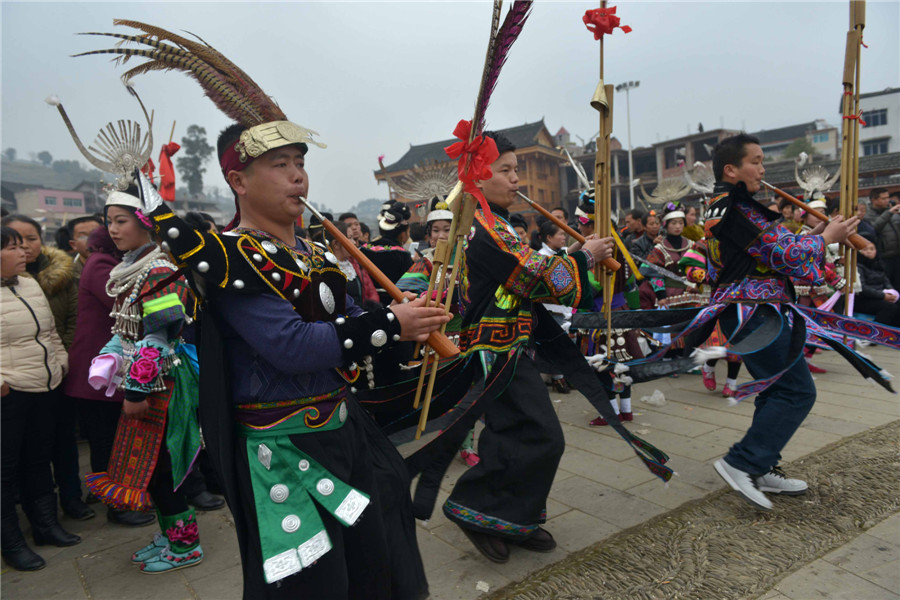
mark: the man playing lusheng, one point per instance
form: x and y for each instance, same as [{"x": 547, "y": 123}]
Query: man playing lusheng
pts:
[
  {"x": 503, "y": 498},
  {"x": 757, "y": 257}
]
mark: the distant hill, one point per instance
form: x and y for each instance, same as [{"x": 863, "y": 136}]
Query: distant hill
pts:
[{"x": 64, "y": 177}]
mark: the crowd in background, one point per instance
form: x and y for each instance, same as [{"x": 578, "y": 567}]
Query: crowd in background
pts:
[{"x": 56, "y": 318}]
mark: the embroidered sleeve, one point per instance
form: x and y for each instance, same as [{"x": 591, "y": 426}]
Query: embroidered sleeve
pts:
[
  {"x": 113, "y": 346},
  {"x": 658, "y": 283},
  {"x": 772, "y": 245},
  {"x": 416, "y": 279},
  {"x": 164, "y": 302},
  {"x": 799, "y": 256},
  {"x": 527, "y": 274},
  {"x": 694, "y": 262}
]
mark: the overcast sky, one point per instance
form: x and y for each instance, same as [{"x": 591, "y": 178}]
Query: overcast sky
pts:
[{"x": 374, "y": 77}]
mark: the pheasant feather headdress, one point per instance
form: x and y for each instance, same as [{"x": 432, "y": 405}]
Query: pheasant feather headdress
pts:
[{"x": 230, "y": 89}]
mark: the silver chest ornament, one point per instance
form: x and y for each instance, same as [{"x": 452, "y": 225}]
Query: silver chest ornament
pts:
[{"x": 269, "y": 247}]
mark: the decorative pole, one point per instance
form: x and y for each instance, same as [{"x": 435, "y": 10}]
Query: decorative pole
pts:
[{"x": 600, "y": 22}]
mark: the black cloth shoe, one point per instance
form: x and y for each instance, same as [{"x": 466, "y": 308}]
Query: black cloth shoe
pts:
[
  {"x": 76, "y": 509},
  {"x": 129, "y": 518},
  {"x": 15, "y": 551},
  {"x": 492, "y": 547},
  {"x": 91, "y": 499},
  {"x": 206, "y": 501},
  {"x": 45, "y": 525},
  {"x": 541, "y": 541}
]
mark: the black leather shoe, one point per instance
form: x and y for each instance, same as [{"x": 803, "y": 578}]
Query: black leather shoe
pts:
[
  {"x": 15, "y": 551},
  {"x": 129, "y": 518},
  {"x": 206, "y": 501},
  {"x": 45, "y": 525},
  {"x": 492, "y": 547},
  {"x": 541, "y": 541},
  {"x": 76, "y": 509}
]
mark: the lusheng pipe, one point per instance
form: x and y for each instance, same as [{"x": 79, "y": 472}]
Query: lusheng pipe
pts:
[
  {"x": 609, "y": 263},
  {"x": 855, "y": 240},
  {"x": 438, "y": 341}
]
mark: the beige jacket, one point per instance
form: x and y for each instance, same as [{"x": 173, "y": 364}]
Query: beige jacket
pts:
[{"x": 32, "y": 355}]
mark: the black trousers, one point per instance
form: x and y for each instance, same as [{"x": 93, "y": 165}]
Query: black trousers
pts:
[
  {"x": 65, "y": 448},
  {"x": 520, "y": 449},
  {"x": 168, "y": 502},
  {"x": 99, "y": 420},
  {"x": 28, "y": 423},
  {"x": 375, "y": 559}
]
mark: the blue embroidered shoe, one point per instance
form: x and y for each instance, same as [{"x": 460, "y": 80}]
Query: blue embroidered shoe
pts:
[
  {"x": 151, "y": 550},
  {"x": 167, "y": 560}
]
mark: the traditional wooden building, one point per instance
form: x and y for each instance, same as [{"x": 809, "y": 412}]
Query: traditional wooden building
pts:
[{"x": 538, "y": 158}]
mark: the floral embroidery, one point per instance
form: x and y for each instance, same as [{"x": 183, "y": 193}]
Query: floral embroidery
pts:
[{"x": 144, "y": 370}]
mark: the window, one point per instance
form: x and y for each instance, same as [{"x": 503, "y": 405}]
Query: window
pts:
[
  {"x": 73, "y": 202},
  {"x": 50, "y": 200},
  {"x": 874, "y": 118},
  {"x": 541, "y": 196},
  {"x": 818, "y": 138},
  {"x": 875, "y": 147}
]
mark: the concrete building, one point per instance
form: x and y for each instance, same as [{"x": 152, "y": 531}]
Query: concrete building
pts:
[
  {"x": 881, "y": 112},
  {"x": 52, "y": 208}
]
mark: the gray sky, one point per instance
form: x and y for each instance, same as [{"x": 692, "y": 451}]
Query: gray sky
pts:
[{"x": 374, "y": 77}]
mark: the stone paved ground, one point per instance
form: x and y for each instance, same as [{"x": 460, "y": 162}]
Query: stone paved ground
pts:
[{"x": 601, "y": 488}]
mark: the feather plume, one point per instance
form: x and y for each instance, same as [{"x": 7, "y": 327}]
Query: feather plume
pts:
[
  {"x": 498, "y": 51},
  {"x": 230, "y": 88}
]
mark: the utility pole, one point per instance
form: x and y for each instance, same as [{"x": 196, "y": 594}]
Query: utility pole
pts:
[{"x": 628, "y": 86}]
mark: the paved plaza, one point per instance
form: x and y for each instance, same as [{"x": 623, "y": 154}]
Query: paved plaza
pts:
[{"x": 601, "y": 489}]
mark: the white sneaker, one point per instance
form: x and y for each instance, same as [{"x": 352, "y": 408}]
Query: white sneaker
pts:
[
  {"x": 775, "y": 482},
  {"x": 742, "y": 483}
]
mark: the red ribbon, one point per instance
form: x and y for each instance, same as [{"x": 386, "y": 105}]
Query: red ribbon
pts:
[
  {"x": 167, "y": 171},
  {"x": 602, "y": 21},
  {"x": 858, "y": 118},
  {"x": 148, "y": 169},
  {"x": 475, "y": 160}
]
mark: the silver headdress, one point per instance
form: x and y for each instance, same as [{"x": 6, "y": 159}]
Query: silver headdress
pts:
[
  {"x": 666, "y": 191},
  {"x": 119, "y": 148},
  {"x": 427, "y": 180},
  {"x": 700, "y": 178},
  {"x": 815, "y": 180}
]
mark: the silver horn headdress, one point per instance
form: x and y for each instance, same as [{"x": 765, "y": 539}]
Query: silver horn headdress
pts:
[
  {"x": 815, "y": 180},
  {"x": 119, "y": 148},
  {"x": 666, "y": 191},
  {"x": 427, "y": 180}
]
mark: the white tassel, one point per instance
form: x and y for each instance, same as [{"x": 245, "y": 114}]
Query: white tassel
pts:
[
  {"x": 598, "y": 362},
  {"x": 732, "y": 402},
  {"x": 702, "y": 355},
  {"x": 625, "y": 379},
  {"x": 52, "y": 100},
  {"x": 620, "y": 368}
]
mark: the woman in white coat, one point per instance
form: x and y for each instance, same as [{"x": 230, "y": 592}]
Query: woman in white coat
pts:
[{"x": 32, "y": 365}]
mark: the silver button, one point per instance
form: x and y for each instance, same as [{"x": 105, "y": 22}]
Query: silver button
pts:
[
  {"x": 257, "y": 257},
  {"x": 396, "y": 337},
  {"x": 173, "y": 233},
  {"x": 340, "y": 321},
  {"x": 342, "y": 412},
  {"x": 331, "y": 258},
  {"x": 348, "y": 343},
  {"x": 276, "y": 276},
  {"x": 164, "y": 246},
  {"x": 238, "y": 284},
  {"x": 325, "y": 487},
  {"x": 303, "y": 266},
  {"x": 269, "y": 247},
  {"x": 203, "y": 266},
  {"x": 279, "y": 493},
  {"x": 265, "y": 456},
  {"x": 297, "y": 293},
  {"x": 390, "y": 316},
  {"x": 379, "y": 338},
  {"x": 290, "y": 523},
  {"x": 304, "y": 465}
]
